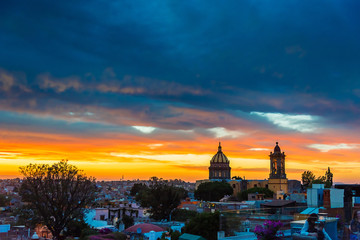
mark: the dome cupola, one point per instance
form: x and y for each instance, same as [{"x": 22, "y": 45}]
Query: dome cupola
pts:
[
  {"x": 219, "y": 166},
  {"x": 219, "y": 157}
]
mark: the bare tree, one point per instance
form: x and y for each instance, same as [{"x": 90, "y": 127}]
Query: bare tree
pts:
[{"x": 57, "y": 193}]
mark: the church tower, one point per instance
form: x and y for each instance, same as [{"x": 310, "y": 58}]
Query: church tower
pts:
[
  {"x": 277, "y": 178},
  {"x": 219, "y": 166},
  {"x": 277, "y": 163}
]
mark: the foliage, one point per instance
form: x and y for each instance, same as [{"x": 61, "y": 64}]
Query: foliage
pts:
[
  {"x": 243, "y": 196},
  {"x": 174, "y": 235},
  {"x": 229, "y": 223},
  {"x": 76, "y": 227},
  {"x": 27, "y": 216},
  {"x": 307, "y": 177},
  {"x": 213, "y": 191},
  {"x": 204, "y": 224},
  {"x": 319, "y": 180},
  {"x": 4, "y": 200},
  {"x": 127, "y": 221},
  {"x": 87, "y": 232},
  {"x": 182, "y": 215},
  {"x": 161, "y": 198},
  {"x": 328, "y": 178},
  {"x": 268, "y": 230},
  {"x": 237, "y": 178},
  {"x": 136, "y": 188},
  {"x": 57, "y": 193}
]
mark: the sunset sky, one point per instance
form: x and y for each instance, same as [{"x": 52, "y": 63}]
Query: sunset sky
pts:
[{"x": 137, "y": 89}]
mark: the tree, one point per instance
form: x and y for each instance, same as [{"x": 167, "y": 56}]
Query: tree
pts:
[
  {"x": 328, "y": 178},
  {"x": 307, "y": 177},
  {"x": 57, "y": 194},
  {"x": 182, "y": 215},
  {"x": 213, "y": 191},
  {"x": 27, "y": 216},
  {"x": 77, "y": 227},
  {"x": 319, "y": 180},
  {"x": 237, "y": 178},
  {"x": 136, "y": 188},
  {"x": 174, "y": 235},
  {"x": 4, "y": 200},
  {"x": 161, "y": 198},
  {"x": 204, "y": 224},
  {"x": 127, "y": 221}
]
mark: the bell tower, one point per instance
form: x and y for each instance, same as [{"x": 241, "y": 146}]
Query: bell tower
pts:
[
  {"x": 277, "y": 178},
  {"x": 277, "y": 163}
]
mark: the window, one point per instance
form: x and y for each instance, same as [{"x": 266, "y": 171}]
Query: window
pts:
[{"x": 102, "y": 217}]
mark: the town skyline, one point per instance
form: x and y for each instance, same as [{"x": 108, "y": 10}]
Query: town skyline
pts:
[
  {"x": 142, "y": 89},
  {"x": 262, "y": 173}
]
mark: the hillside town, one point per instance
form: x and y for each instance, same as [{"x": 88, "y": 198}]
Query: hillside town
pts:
[{"x": 240, "y": 207}]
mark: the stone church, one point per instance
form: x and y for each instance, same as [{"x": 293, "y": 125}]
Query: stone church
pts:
[{"x": 220, "y": 170}]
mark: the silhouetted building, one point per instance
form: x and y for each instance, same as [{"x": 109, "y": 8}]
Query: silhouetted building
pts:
[
  {"x": 277, "y": 178},
  {"x": 219, "y": 166}
]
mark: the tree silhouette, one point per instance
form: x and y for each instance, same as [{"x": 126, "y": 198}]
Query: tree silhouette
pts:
[
  {"x": 161, "y": 198},
  {"x": 213, "y": 191},
  {"x": 328, "y": 178},
  {"x": 204, "y": 224},
  {"x": 307, "y": 178},
  {"x": 57, "y": 194}
]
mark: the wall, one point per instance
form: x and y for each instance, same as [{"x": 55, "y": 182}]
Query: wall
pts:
[
  {"x": 101, "y": 211},
  {"x": 278, "y": 185},
  {"x": 336, "y": 198},
  {"x": 257, "y": 183}
]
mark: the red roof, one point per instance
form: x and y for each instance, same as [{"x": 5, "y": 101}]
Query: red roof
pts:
[{"x": 145, "y": 228}]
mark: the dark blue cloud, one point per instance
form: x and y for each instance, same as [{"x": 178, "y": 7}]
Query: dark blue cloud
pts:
[{"x": 216, "y": 56}]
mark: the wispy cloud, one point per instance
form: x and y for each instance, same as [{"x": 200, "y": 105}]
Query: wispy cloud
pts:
[
  {"x": 144, "y": 85},
  {"x": 9, "y": 81},
  {"x": 221, "y": 132},
  {"x": 300, "y": 123},
  {"x": 59, "y": 85},
  {"x": 155, "y": 145},
  {"x": 144, "y": 129},
  {"x": 329, "y": 147},
  {"x": 164, "y": 157},
  {"x": 259, "y": 149}
]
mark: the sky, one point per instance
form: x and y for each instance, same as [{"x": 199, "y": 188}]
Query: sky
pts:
[{"x": 133, "y": 89}]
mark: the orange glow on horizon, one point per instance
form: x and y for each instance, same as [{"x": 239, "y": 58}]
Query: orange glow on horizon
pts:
[{"x": 134, "y": 157}]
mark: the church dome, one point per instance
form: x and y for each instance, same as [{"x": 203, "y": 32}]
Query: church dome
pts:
[
  {"x": 219, "y": 157},
  {"x": 277, "y": 148}
]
